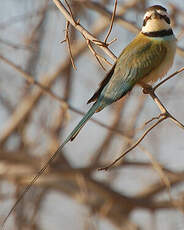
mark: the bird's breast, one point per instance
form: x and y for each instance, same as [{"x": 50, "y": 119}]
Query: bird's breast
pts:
[{"x": 164, "y": 67}]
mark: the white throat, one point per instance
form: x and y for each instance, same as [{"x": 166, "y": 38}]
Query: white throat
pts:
[{"x": 153, "y": 25}]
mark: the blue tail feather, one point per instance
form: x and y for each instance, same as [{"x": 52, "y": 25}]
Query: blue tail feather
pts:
[
  {"x": 77, "y": 129},
  {"x": 70, "y": 137}
]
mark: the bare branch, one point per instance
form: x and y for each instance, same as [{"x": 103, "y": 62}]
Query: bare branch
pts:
[
  {"x": 112, "y": 21},
  {"x": 133, "y": 146},
  {"x": 67, "y": 39},
  {"x": 164, "y": 111},
  {"x": 95, "y": 54},
  {"x": 81, "y": 29},
  {"x": 31, "y": 127},
  {"x": 168, "y": 78}
]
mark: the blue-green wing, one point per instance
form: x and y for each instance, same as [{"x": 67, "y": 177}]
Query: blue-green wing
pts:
[
  {"x": 139, "y": 58},
  {"x": 136, "y": 61}
]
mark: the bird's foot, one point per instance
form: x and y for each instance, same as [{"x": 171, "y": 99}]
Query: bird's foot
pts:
[{"x": 147, "y": 89}]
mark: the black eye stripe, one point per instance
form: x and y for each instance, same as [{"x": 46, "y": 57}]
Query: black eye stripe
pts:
[
  {"x": 145, "y": 20},
  {"x": 167, "y": 19}
]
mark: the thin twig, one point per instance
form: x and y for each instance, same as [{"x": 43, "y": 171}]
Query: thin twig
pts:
[
  {"x": 67, "y": 39},
  {"x": 27, "y": 103},
  {"x": 119, "y": 20},
  {"x": 63, "y": 41},
  {"x": 95, "y": 6},
  {"x": 166, "y": 79},
  {"x": 112, "y": 21},
  {"x": 104, "y": 59},
  {"x": 164, "y": 111},
  {"x": 81, "y": 29},
  {"x": 164, "y": 114},
  {"x": 178, "y": 123},
  {"x": 153, "y": 118},
  {"x": 95, "y": 54},
  {"x": 133, "y": 146},
  {"x": 70, "y": 10},
  {"x": 46, "y": 90},
  {"x": 112, "y": 41}
]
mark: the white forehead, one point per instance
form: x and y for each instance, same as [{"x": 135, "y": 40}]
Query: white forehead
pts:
[{"x": 161, "y": 12}]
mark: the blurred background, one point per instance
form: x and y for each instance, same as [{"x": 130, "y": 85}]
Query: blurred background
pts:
[{"x": 73, "y": 194}]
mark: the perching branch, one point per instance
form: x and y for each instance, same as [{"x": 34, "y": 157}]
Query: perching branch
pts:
[
  {"x": 30, "y": 109},
  {"x": 163, "y": 116}
]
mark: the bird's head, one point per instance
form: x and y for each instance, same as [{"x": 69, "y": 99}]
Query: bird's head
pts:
[{"x": 156, "y": 18}]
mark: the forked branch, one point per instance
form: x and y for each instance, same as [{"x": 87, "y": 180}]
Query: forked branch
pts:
[
  {"x": 87, "y": 35},
  {"x": 163, "y": 116}
]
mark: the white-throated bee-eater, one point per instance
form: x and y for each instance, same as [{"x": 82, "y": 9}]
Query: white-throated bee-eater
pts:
[{"x": 145, "y": 60}]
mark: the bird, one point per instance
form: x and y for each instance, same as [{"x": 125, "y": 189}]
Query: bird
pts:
[{"x": 147, "y": 58}]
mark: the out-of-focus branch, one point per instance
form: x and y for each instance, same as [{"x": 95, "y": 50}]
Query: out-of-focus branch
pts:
[
  {"x": 101, "y": 197},
  {"x": 46, "y": 90},
  {"x": 27, "y": 104},
  {"x": 16, "y": 46},
  {"x": 31, "y": 80},
  {"x": 106, "y": 143},
  {"x": 118, "y": 18},
  {"x": 68, "y": 176}
]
